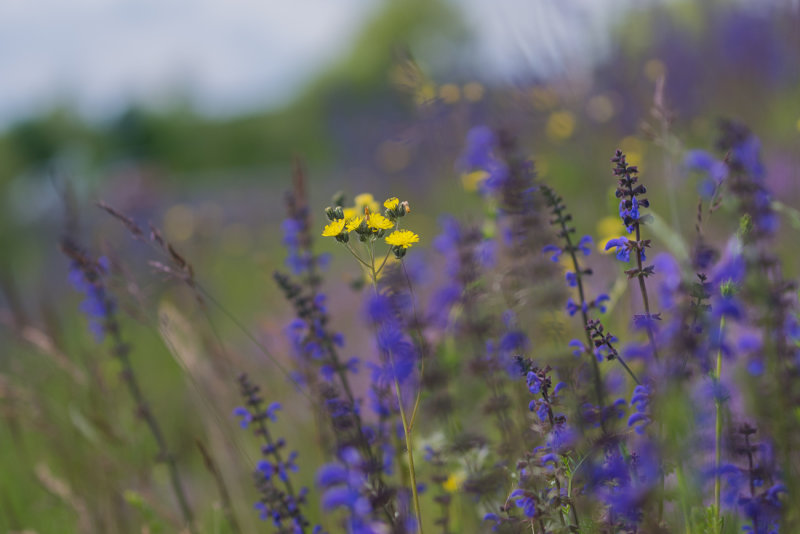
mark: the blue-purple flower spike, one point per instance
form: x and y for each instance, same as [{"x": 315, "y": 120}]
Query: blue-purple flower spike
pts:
[{"x": 279, "y": 502}]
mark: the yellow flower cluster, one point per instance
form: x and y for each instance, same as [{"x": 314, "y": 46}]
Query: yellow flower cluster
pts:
[{"x": 365, "y": 219}]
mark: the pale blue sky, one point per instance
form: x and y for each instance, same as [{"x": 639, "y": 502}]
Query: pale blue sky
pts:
[{"x": 235, "y": 55}]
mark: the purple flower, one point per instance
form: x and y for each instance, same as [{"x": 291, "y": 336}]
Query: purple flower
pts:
[
  {"x": 598, "y": 303},
  {"x": 585, "y": 245},
  {"x": 623, "y": 249},
  {"x": 715, "y": 170},
  {"x": 525, "y": 500},
  {"x": 573, "y": 307},
  {"x": 379, "y": 309},
  {"x": 572, "y": 279},
  {"x": 577, "y": 346},
  {"x": 246, "y": 418},
  {"x": 480, "y": 142},
  {"x": 554, "y": 250}
]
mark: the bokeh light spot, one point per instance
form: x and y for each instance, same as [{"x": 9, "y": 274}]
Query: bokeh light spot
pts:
[
  {"x": 425, "y": 95},
  {"x": 473, "y": 91},
  {"x": 543, "y": 98},
  {"x": 600, "y": 108},
  {"x": 450, "y": 93},
  {"x": 179, "y": 223},
  {"x": 560, "y": 125},
  {"x": 471, "y": 180},
  {"x": 654, "y": 69},
  {"x": 634, "y": 149}
]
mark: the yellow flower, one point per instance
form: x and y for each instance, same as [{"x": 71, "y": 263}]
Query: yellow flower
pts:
[
  {"x": 376, "y": 221},
  {"x": 349, "y": 213},
  {"x": 454, "y": 481},
  {"x": 363, "y": 199},
  {"x": 366, "y": 200},
  {"x": 354, "y": 223},
  {"x": 391, "y": 203},
  {"x": 402, "y": 238},
  {"x": 334, "y": 228}
]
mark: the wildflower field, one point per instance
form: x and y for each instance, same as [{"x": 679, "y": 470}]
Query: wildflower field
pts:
[{"x": 442, "y": 304}]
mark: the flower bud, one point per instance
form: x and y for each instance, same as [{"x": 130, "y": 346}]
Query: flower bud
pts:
[
  {"x": 338, "y": 199},
  {"x": 745, "y": 225},
  {"x": 727, "y": 289}
]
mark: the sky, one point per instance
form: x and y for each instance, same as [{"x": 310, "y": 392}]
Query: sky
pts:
[{"x": 235, "y": 55}]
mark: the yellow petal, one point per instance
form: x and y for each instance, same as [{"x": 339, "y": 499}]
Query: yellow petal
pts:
[
  {"x": 364, "y": 199},
  {"x": 334, "y": 228}
]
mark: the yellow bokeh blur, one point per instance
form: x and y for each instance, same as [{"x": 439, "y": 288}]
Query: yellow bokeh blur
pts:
[
  {"x": 471, "y": 180},
  {"x": 608, "y": 228},
  {"x": 450, "y": 93},
  {"x": 425, "y": 94},
  {"x": 654, "y": 69},
  {"x": 473, "y": 91},
  {"x": 600, "y": 108},
  {"x": 634, "y": 149},
  {"x": 543, "y": 98},
  {"x": 560, "y": 125},
  {"x": 179, "y": 223}
]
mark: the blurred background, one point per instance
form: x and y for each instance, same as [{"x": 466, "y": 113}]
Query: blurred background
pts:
[{"x": 190, "y": 114}]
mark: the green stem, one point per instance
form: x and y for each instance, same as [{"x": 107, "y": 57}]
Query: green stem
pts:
[
  {"x": 421, "y": 347},
  {"x": 409, "y": 451},
  {"x": 383, "y": 263},
  {"x": 406, "y": 429},
  {"x": 684, "y": 508},
  {"x": 356, "y": 256},
  {"x": 718, "y": 430}
]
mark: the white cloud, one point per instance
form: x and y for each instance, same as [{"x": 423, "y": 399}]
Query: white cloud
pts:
[{"x": 231, "y": 54}]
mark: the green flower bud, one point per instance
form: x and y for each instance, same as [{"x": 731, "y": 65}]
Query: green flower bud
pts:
[
  {"x": 745, "y": 225},
  {"x": 728, "y": 289}
]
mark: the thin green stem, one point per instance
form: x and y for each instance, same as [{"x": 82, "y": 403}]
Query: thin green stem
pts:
[
  {"x": 349, "y": 248},
  {"x": 718, "y": 430},
  {"x": 628, "y": 369},
  {"x": 385, "y": 257},
  {"x": 421, "y": 347},
  {"x": 409, "y": 451},
  {"x": 406, "y": 428}
]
